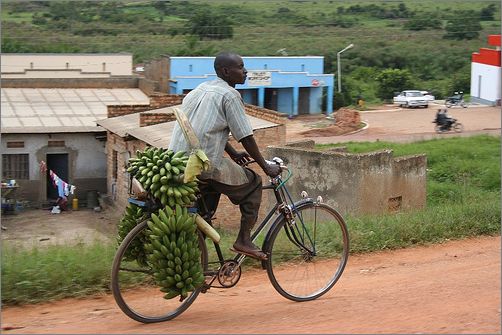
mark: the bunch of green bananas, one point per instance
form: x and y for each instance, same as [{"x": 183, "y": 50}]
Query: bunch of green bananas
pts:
[
  {"x": 161, "y": 172},
  {"x": 133, "y": 215},
  {"x": 173, "y": 252}
]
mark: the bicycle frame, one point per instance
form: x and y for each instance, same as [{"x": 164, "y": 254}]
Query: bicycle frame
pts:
[{"x": 283, "y": 208}]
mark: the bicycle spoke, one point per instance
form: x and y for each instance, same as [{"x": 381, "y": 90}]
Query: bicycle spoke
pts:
[
  {"x": 306, "y": 261},
  {"x": 134, "y": 288}
]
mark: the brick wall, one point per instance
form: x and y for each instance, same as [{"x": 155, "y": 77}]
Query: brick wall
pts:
[
  {"x": 121, "y": 110},
  {"x": 159, "y": 70},
  {"x": 348, "y": 117},
  {"x": 151, "y": 118},
  {"x": 265, "y": 114},
  {"x": 157, "y": 100},
  {"x": 118, "y": 188}
]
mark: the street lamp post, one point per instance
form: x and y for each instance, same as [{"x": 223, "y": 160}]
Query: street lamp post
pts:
[{"x": 338, "y": 66}]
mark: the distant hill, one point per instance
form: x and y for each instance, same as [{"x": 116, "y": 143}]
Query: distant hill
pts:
[{"x": 434, "y": 40}]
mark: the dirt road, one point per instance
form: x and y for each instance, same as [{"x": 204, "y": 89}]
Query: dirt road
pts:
[
  {"x": 446, "y": 288},
  {"x": 394, "y": 124}
]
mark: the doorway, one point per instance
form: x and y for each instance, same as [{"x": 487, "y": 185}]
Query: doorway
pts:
[
  {"x": 271, "y": 98},
  {"x": 58, "y": 163},
  {"x": 304, "y": 101}
]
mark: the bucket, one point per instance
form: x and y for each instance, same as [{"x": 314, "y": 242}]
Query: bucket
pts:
[
  {"x": 92, "y": 199},
  {"x": 74, "y": 204}
]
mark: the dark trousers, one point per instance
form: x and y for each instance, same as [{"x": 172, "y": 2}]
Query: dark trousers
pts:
[{"x": 247, "y": 196}]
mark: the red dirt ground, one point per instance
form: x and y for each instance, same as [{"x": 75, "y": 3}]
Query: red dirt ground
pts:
[{"x": 446, "y": 288}]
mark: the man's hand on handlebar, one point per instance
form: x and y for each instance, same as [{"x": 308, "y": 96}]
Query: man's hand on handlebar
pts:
[{"x": 272, "y": 170}]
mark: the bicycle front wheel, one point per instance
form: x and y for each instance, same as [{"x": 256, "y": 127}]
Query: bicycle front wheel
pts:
[
  {"x": 133, "y": 285},
  {"x": 307, "y": 254}
]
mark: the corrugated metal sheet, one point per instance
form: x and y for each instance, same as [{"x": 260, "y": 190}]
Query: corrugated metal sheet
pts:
[{"x": 48, "y": 110}]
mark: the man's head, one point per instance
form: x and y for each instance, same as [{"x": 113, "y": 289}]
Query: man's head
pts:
[{"x": 230, "y": 67}]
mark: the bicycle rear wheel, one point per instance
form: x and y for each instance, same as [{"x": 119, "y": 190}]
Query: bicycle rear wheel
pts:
[
  {"x": 308, "y": 254},
  {"x": 133, "y": 285}
]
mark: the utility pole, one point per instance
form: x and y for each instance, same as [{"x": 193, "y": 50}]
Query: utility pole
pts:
[{"x": 338, "y": 66}]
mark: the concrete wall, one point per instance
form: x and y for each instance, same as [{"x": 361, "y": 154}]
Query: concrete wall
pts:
[
  {"x": 65, "y": 65},
  {"x": 373, "y": 182},
  {"x": 486, "y": 82},
  {"x": 86, "y": 162}
]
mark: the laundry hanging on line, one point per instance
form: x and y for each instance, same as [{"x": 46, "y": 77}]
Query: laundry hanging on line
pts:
[{"x": 64, "y": 189}]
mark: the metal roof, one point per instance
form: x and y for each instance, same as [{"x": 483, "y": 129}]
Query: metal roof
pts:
[
  {"x": 158, "y": 135},
  {"x": 51, "y": 110}
]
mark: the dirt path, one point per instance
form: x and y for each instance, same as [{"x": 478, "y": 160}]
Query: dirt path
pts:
[{"x": 447, "y": 288}]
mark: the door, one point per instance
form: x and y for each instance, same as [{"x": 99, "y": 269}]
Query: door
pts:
[
  {"x": 58, "y": 163},
  {"x": 304, "y": 101},
  {"x": 271, "y": 98}
]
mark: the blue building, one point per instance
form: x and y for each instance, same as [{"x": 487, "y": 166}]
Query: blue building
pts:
[{"x": 291, "y": 85}]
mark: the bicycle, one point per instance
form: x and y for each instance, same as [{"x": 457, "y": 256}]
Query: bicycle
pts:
[{"x": 307, "y": 235}]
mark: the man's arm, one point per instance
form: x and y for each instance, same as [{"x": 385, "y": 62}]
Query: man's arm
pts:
[
  {"x": 240, "y": 157},
  {"x": 251, "y": 147}
]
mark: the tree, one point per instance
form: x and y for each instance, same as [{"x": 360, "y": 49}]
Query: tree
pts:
[
  {"x": 423, "y": 22},
  {"x": 464, "y": 25},
  {"x": 392, "y": 80},
  {"x": 208, "y": 25},
  {"x": 488, "y": 13}
]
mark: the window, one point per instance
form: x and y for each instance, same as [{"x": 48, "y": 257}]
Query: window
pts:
[
  {"x": 15, "y": 144},
  {"x": 55, "y": 143},
  {"x": 190, "y": 68},
  {"x": 15, "y": 166}
]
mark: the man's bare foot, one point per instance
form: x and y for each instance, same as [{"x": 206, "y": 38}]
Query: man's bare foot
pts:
[{"x": 251, "y": 251}]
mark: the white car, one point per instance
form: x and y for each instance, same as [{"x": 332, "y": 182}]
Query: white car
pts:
[
  {"x": 428, "y": 95},
  {"x": 411, "y": 98}
]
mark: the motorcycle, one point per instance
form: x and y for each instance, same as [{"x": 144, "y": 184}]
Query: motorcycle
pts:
[
  {"x": 449, "y": 124},
  {"x": 456, "y": 100}
]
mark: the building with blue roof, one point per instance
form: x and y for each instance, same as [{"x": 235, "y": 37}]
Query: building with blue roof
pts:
[{"x": 288, "y": 84}]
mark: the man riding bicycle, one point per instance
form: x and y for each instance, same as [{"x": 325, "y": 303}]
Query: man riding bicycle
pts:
[
  {"x": 443, "y": 119},
  {"x": 214, "y": 109}
]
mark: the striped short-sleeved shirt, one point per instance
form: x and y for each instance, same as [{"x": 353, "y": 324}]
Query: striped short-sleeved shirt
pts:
[{"x": 214, "y": 109}]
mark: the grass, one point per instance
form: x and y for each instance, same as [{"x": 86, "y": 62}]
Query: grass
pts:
[
  {"x": 463, "y": 200},
  {"x": 57, "y": 271}
]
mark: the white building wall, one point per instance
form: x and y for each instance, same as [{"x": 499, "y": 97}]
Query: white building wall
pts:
[
  {"x": 485, "y": 82},
  {"x": 90, "y": 157},
  {"x": 111, "y": 64}
]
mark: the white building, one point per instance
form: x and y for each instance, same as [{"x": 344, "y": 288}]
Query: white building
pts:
[
  {"x": 486, "y": 73},
  {"x": 50, "y": 104},
  {"x": 66, "y": 65}
]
